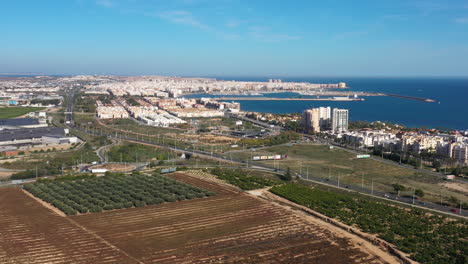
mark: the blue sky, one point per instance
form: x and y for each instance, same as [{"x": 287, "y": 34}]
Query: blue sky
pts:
[{"x": 236, "y": 37}]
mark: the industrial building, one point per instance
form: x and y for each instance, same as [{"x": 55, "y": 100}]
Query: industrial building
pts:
[{"x": 16, "y": 123}]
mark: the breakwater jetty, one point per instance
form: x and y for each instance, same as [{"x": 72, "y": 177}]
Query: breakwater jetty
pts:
[{"x": 411, "y": 98}]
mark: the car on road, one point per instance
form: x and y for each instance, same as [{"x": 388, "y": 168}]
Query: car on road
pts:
[{"x": 454, "y": 210}]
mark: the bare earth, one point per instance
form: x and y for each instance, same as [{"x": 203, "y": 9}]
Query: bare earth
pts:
[
  {"x": 457, "y": 186},
  {"x": 230, "y": 227}
]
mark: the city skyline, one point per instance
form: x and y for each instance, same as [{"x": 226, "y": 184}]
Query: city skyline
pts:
[{"x": 235, "y": 38}]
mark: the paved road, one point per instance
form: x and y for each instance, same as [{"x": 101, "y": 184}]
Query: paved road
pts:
[{"x": 101, "y": 152}]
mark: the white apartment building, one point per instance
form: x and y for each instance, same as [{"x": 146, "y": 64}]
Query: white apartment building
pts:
[
  {"x": 370, "y": 138},
  {"x": 340, "y": 120},
  {"x": 456, "y": 150}
]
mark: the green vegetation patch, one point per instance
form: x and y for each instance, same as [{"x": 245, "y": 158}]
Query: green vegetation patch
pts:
[
  {"x": 12, "y": 112},
  {"x": 243, "y": 179},
  {"x": 428, "y": 238},
  {"x": 282, "y": 138},
  {"x": 93, "y": 194},
  {"x": 131, "y": 152}
]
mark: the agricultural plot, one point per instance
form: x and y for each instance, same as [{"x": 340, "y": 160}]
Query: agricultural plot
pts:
[
  {"x": 95, "y": 194},
  {"x": 231, "y": 227},
  {"x": 427, "y": 238},
  {"x": 31, "y": 233},
  {"x": 242, "y": 179}
]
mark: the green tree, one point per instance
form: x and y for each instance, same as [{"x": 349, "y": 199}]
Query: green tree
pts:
[
  {"x": 398, "y": 188},
  {"x": 418, "y": 192},
  {"x": 287, "y": 176},
  {"x": 437, "y": 164}
]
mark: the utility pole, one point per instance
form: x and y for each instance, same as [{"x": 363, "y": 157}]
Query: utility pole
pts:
[
  {"x": 414, "y": 192},
  {"x": 372, "y": 188},
  {"x": 362, "y": 180}
]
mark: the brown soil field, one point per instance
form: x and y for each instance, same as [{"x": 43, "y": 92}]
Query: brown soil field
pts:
[
  {"x": 31, "y": 233},
  {"x": 231, "y": 227}
]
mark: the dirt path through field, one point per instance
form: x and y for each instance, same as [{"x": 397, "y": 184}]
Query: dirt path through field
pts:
[
  {"x": 46, "y": 205},
  {"x": 57, "y": 211},
  {"x": 103, "y": 240}
]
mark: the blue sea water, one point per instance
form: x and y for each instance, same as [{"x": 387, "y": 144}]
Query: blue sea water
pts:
[{"x": 450, "y": 110}]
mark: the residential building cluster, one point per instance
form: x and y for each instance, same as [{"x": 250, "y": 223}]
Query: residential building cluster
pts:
[
  {"x": 444, "y": 145},
  {"x": 188, "y": 108},
  {"x": 322, "y": 119},
  {"x": 114, "y": 110},
  {"x": 163, "y": 111},
  {"x": 176, "y": 86}
]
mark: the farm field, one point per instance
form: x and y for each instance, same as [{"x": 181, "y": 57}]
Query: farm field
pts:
[
  {"x": 12, "y": 112},
  {"x": 93, "y": 194},
  {"x": 31, "y": 233},
  {"x": 231, "y": 227},
  {"x": 322, "y": 162},
  {"x": 428, "y": 238}
]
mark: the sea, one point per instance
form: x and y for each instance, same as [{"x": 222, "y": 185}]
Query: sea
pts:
[{"x": 450, "y": 111}]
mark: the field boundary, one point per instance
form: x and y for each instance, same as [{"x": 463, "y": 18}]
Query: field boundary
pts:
[
  {"x": 380, "y": 243},
  {"x": 103, "y": 240},
  {"x": 73, "y": 222},
  {"x": 45, "y": 204}
]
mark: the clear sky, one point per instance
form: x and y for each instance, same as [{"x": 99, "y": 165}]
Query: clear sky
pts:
[{"x": 236, "y": 37}]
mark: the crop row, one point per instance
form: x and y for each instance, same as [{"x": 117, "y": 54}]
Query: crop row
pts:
[
  {"x": 428, "y": 238},
  {"x": 113, "y": 192},
  {"x": 242, "y": 179}
]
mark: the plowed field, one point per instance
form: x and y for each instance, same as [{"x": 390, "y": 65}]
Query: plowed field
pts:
[
  {"x": 230, "y": 227},
  {"x": 31, "y": 233}
]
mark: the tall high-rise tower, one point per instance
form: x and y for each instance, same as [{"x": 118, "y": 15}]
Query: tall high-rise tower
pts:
[
  {"x": 340, "y": 120},
  {"x": 316, "y": 119}
]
